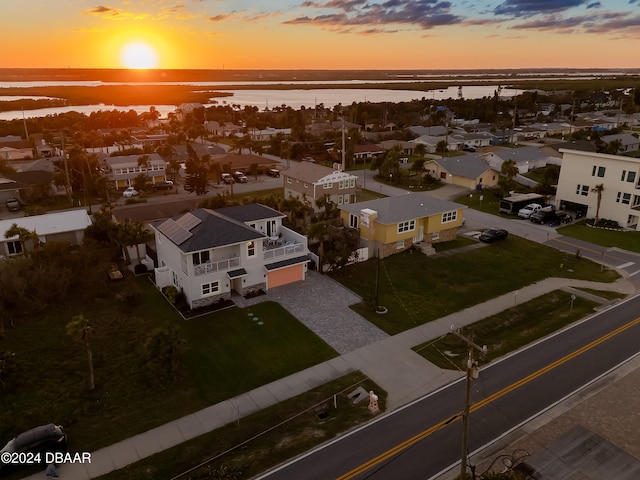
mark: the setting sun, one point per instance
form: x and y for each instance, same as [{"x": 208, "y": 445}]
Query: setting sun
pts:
[{"x": 139, "y": 55}]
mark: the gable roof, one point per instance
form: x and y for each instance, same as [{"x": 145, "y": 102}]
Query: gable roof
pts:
[
  {"x": 468, "y": 166},
  {"x": 203, "y": 228},
  {"x": 132, "y": 160},
  {"x": 30, "y": 178},
  {"x": 314, "y": 173},
  {"x": 49, "y": 223},
  {"x": 403, "y": 207},
  {"x": 521, "y": 154}
]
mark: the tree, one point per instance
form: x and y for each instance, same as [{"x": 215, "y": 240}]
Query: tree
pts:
[
  {"x": 132, "y": 232},
  {"x": 508, "y": 170},
  {"x": 420, "y": 149},
  {"x": 598, "y": 189},
  {"x": 80, "y": 329},
  {"x": 24, "y": 235},
  {"x": 442, "y": 148},
  {"x": 164, "y": 348}
]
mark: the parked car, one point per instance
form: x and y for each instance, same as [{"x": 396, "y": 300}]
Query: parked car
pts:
[
  {"x": 561, "y": 218},
  {"x": 240, "y": 177},
  {"x": 227, "y": 178},
  {"x": 164, "y": 185},
  {"x": 530, "y": 209},
  {"x": 13, "y": 204},
  {"x": 469, "y": 148},
  {"x": 493, "y": 234},
  {"x": 543, "y": 217},
  {"x": 45, "y": 438},
  {"x": 130, "y": 192},
  {"x": 273, "y": 172}
]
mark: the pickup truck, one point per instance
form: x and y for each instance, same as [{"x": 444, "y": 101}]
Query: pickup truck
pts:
[{"x": 530, "y": 209}]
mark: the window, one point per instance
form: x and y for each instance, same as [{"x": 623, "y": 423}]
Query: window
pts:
[
  {"x": 210, "y": 288},
  {"x": 200, "y": 257},
  {"x": 582, "y": 190},
  {"x": 399, "y": 244},
  {"x": 341, "y": 185},
  {"x": 624, "y": 198},
  {"x": 328, "y": 185},
  {"x": 598, "y": 171},
  {"x": 353, "y": 221},
  {"x": 435, "y": 236},
  {"x": 14, "y": 247},
  {"x": 450, "y": 216},
  {"x": 628, "y": 176},
  {"x": 408, "y": 226},
  {"x": 289, "y": 180},
  {"x": 339, "y": 199},
  {"x": 346, "y": 198},
  {"x": 352, "y": 183},
  {"x": 251, "y": 249}
]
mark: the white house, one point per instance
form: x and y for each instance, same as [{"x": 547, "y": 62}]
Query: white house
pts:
[
  {"x": 66, "y": 227},
  {"x": 209, "y": 254},
  {"x": 620, "y": 177},
  {"x": 525, "y": 158}
]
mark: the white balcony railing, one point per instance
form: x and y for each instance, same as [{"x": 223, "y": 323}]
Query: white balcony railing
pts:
[
  {"x": 284, "y": 251},
  {"x": 212, "y": 267}
]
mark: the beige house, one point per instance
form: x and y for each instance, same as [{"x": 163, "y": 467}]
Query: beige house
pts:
[
  {"x": 620, "y": 177},
  {"x": 393, "y": 224},
  {"x": 468, "y": 171},
  {"x": 308, "y": 182}
]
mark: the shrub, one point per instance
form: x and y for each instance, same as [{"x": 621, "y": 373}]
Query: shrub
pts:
[{"x": 171, "y": 293}]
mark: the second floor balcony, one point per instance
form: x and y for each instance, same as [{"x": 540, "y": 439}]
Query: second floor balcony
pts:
[{"x": 219, "y": 266}]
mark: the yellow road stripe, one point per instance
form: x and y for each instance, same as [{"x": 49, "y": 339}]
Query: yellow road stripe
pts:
[{"x": 476, "y": 406}]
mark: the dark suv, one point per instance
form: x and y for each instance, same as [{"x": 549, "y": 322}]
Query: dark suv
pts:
[
  {"x": 45, "y": 438},
  {"x": 544, "y": 217}
]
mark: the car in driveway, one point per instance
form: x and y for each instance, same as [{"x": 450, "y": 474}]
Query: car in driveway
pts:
[
  {"x": 37, "y": 441},
  {"x": 240, "y": 177},
  {"x": 544, "y": 217},
  {"x": 526, "y": 212},
  {"x": 164, "y": 185},
  {"x": 227, "y": 178},
  {"x": 492, "y": 235},
  {"x": 130, "y": 192},
  {"x": 13, "y": 204},
  {"x": 273, "y": 172}
]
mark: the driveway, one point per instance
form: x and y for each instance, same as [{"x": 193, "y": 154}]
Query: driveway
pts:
[{"x": 322, "y": 304}]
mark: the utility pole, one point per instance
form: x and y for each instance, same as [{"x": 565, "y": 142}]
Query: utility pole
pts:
[
  {"x": 344, "y": 166},
  {"x": 471, "y": 374}
]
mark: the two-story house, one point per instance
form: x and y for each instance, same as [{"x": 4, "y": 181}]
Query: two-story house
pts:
[
  {"x": 393, "y": 224},
  {"x": 123, "y": 169},
  {"x": 620, "y": 176},
  {"x": 308, "y": 182},
  {"x": 209, "y": 254}
]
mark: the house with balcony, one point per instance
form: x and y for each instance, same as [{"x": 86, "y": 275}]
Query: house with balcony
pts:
[
  {"x": 619, "y": 175},
  {"x": 309, "y": 182},
  {"x": 393, "y": 224},
  {"x": 212, "y": 254}
]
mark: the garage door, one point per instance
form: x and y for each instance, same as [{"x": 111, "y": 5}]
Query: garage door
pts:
[{"x": 285, "y": 275}]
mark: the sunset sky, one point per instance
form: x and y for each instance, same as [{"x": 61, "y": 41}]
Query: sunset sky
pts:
[{"x": 320, "y": 34}]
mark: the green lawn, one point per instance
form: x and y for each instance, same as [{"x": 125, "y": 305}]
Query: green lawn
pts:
[
  {"x": 417, "y": 289},
  {"x": 606, "y": 238},
  {"x": 265, "y": 438},
  {"x": 509, "y": 330},
  {"x": 229, "y": 354}
]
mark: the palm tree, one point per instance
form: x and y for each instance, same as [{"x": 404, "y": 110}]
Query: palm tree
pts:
[
  {"x": 132, "y": 232},
  {"x": 598, "y": 189},
  {"x": 509, "y": 170},
  {"x": 80, "y": 329},
  {"x": 24, "y": 235}
]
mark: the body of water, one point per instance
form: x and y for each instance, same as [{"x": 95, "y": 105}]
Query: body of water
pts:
[{"x": 294, "y": 98}]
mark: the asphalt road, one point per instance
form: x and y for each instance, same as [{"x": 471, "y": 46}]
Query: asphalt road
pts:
[{"x": 423, "y": 439}]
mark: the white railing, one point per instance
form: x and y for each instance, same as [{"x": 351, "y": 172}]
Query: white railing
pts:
[
  {"x": 285, "y": 250},
  {"x": 212, "y": 267}
]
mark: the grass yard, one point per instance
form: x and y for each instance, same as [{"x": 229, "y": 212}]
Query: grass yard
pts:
[
  {"x": 417, "y": 289},
  {"x": 228, "y": 354},
  {"x": 265, "y": 438},
  {"x": 509, "y": 330},
  {"x": 490, "y": 202},
  {"x": 606, "y": 238}
]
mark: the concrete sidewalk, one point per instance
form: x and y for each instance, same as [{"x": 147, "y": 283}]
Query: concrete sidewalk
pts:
[{"x": 389, "y": 362}]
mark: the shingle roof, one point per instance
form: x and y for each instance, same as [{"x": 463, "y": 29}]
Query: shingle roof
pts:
[
  {"x": 250, "y": 213},
  {"x": 403, "y": 207},
  {"x": 468, "y": 166},
  {"x": 312, "y": 172},
  {"x": 214, "y": 230}
]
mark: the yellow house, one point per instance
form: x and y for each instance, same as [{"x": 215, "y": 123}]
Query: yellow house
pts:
[
  {"x": 468, "y": 171},
  {"x": 393, "y": 224}
]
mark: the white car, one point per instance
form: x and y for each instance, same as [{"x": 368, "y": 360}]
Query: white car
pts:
[
  {"x": 130, "y": 192},
  {"x": 530, "y": 209}
]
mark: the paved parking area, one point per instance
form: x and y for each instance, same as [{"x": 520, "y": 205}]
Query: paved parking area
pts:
[{"x": 322, "y": 304}]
